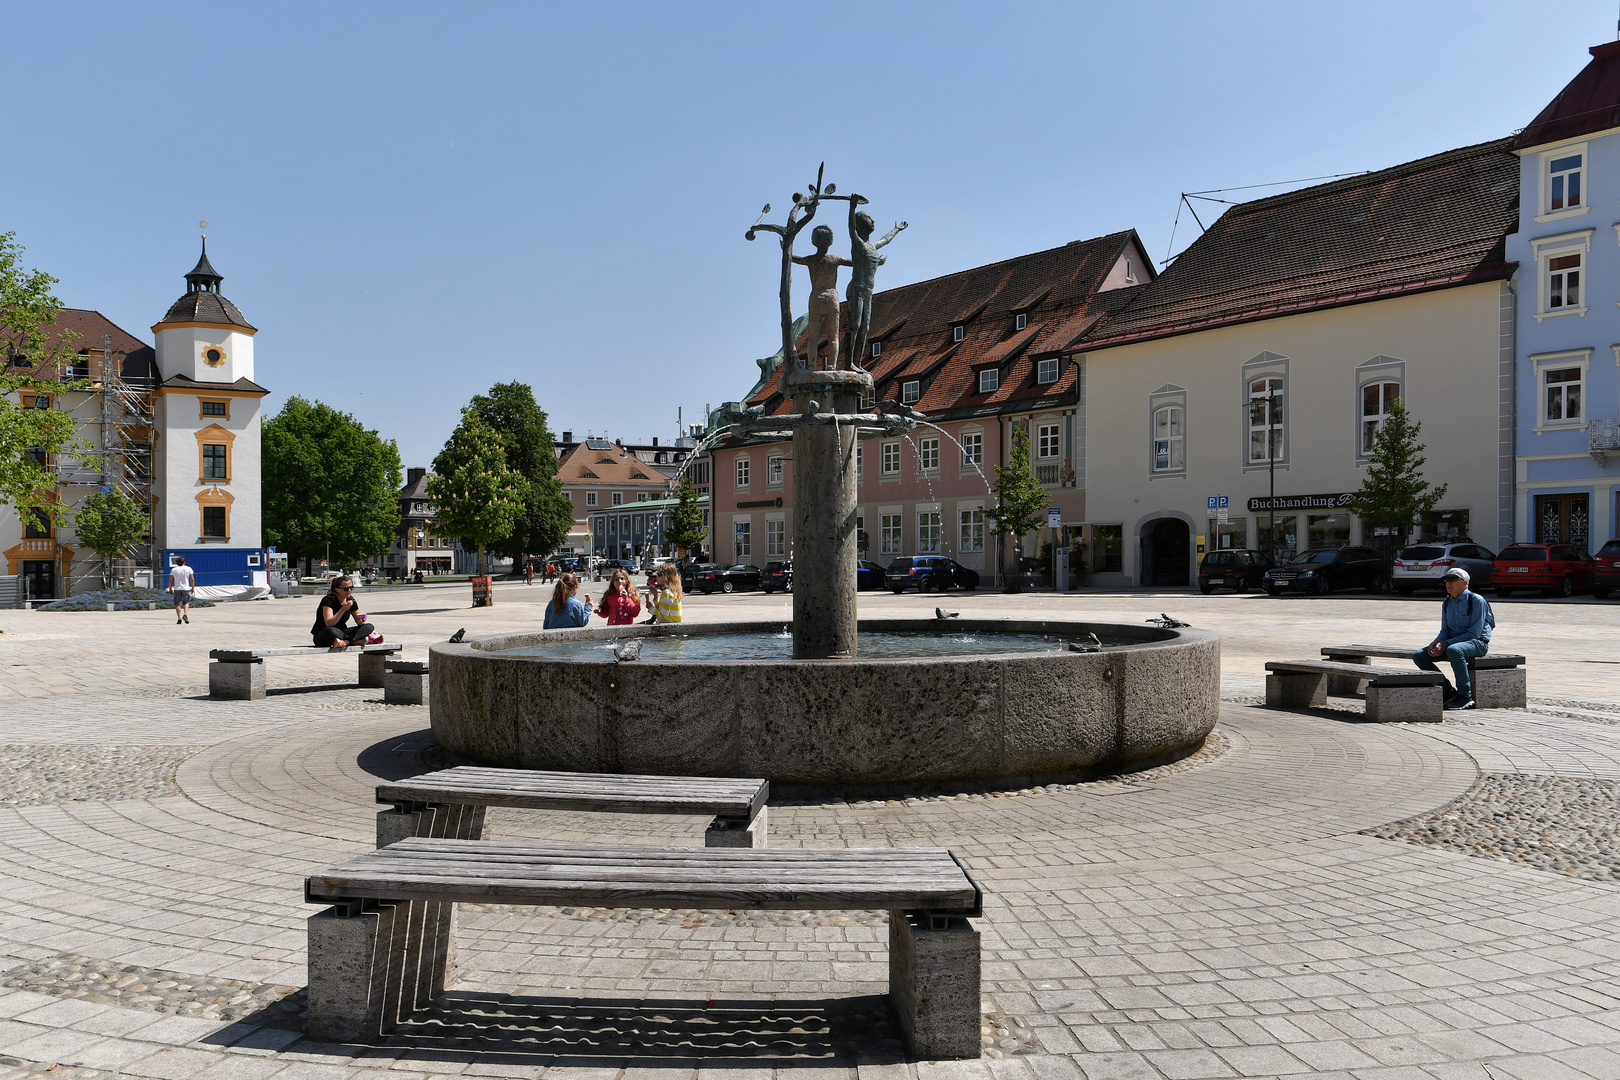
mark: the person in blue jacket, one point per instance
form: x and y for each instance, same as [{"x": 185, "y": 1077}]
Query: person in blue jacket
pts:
[
  {"x": 1465, "y": 632},
  {"x": 565, "y": 608}
]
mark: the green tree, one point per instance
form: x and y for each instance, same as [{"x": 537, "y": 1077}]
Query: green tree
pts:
[
  {"x": 475, "y": 493},
  {"x": 109, "y": 525},
  {"x": 327, "y": 479},
  {"x": 547, "y": 515},
  {"x": 1020, "y": 502},
  {"x": 1393, "y": 493},
  {"x": 33, "y": 356},
  {"x": 685, "y": 526}
]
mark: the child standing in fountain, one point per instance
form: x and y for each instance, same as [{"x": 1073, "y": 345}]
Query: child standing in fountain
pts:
[
  {"x": 621, "y": 604},
  {"x": 668, "y": 607}
]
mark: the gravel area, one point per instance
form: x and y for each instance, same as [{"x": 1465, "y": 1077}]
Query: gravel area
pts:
[
  {"x": 1562, "y": 825},
  {"x": 36, "y": 775},
  {"x": 130, "y": 986}
]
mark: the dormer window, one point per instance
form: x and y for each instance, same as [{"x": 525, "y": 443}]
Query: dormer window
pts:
[
  {"x": 910, "y": 391},
  {"x": 958, "y": 332},
  {"x": 989, "y": 380},
  {"x": 1046, "y": 371},
  {"x": 1564, "y": 182},
  {"x": 877, "y": 349},
  {"x": 1021, "y": 320}
]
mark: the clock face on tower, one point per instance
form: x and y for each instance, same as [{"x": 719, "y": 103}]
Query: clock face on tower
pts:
[{"x": 213, "y": 355}]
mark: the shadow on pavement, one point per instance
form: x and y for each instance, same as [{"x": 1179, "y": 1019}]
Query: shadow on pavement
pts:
[{"x": 399, "y": 756}]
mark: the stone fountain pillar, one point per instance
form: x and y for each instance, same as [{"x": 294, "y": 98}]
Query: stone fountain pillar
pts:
[{"x": 824, "y": 495}]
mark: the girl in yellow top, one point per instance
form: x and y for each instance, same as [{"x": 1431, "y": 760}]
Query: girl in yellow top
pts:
[{"x": 668, "y": 608}]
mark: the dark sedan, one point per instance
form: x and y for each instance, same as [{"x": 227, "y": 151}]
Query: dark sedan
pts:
[
  {"x": 728, "y": 579},
  {"x": 1237, "y": 569},
  {"x": 868, "y": 575},
  {"x": 1322, "y": 570},
  {"x": 690, "y": 572},
  {"x": 927, "y": 573},
  {"x": 1606, "y": 578},
  {"x": 776, "y": 575}
]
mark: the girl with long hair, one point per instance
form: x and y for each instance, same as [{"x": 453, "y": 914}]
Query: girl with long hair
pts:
[
  {"x": 565, "y": 608},
  {"x": 668, "y": 607},
  {"x": 620, "y": 604}
]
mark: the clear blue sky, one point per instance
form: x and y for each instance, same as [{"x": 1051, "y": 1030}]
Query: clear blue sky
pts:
[{"x": 413, "y": 202}]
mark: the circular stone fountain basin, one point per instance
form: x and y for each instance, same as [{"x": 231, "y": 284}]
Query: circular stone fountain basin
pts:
[{"x": 1010, "y": 703}]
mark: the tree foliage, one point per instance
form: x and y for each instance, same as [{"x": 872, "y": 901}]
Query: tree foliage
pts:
[
  {"x": 327, "y": 478},
  {"x": 33, "y": 356},
  {"x": 1393, "y": 494},
  {"x": 475, "y": 493},
  {"x": 685, "y": 526},
  {"x": 546, "y": 515},
  {"x": 1020, "y": 499},
  {"x": 110, "y": 524}
]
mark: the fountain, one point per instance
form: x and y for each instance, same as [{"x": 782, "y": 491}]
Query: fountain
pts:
[{"x": 937, "y": 703}]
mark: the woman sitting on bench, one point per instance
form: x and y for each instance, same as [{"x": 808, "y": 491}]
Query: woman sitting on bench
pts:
[{"x": 331, "y": 627}]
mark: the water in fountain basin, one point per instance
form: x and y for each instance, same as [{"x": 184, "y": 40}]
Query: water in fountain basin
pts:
[{"x": 779, "y": 646}]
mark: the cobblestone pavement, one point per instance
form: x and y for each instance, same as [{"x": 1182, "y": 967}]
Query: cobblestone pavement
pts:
[{"x": 1313, "y": 895}]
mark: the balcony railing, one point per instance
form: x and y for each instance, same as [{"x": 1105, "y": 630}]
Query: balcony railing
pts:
[
  {"x": 1603, "y": 437},
  {"x": 1048, "y": 474}
]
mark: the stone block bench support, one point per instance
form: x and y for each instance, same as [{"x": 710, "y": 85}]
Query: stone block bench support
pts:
[
  {"x": 452, "y": 802},
  {"x": 405, "y": 682},
  {"x": 1499, "y": 678},
  {"x": 238, "y": 674},
  {"x": 386, "y": 946},
  {"x": 1393, "y": 694}
]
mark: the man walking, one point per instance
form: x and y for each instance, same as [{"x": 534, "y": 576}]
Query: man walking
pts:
[
  {"x": 180, "y": 585},
  {"x": 1465, "y": 632}
]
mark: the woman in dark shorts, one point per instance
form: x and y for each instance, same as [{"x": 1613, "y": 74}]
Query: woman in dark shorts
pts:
[{"x": 331, "y": 618}]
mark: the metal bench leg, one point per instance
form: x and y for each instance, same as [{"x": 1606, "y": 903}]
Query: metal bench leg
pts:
[
  {"x": 934, "y": 984},
  {"x": 356, "y": 968},
  {"x": 1500, "y": 688},
  {"x": 1295, "y": 691},
  {"x": 1345, "y": 685},
  {"x": 1410, "y": 704},
  {"x": 232, "y": 681},
  {"x": 737, "y": 832},
  {"x": 372, "y": 671},
  {"x": 455, "y": 821}
]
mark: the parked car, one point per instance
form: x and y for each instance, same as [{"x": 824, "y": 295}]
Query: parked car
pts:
[
  {"x": 727, "y": 579},
  {"x": 868, "y": 575},
  {"x": 927, "y": 573},
  {"x": 690, "y": 572},
  {"x": 1236, "y": 569},
  {"x": 1561, "y": 569},
  {"x": 776, "y": 575},
  {"x": 630, "y": 566},
  {"x": 1322, "y": 570},
  {"x": 1422, "y": 565},
  {"x": 1606, "y": 574}
]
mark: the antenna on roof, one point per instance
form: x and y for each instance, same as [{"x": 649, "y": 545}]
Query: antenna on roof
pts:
[
  {"x": 1187, "y": 196},
  {"x": 203, "y": 225}
]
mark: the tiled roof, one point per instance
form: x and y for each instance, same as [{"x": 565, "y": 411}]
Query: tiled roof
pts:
[
  {"x": 616, "y": 465},
  {"x": 1057, "y": 288},
  {"x": 1591, "y": 102},
  {"x": 1432, "y": 223},
  {"x": 206, "y": 307},
  {"x": 246, "y": 386},
  {"x": 137, "y": 360}
]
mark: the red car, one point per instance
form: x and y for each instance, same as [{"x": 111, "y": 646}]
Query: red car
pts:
[
  {"x": 1561, "y": 569},
  {"x": 1607, "y": 578}
]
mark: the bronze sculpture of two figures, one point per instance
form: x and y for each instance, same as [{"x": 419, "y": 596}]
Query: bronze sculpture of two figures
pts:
[{"x": 823, "y": 266}]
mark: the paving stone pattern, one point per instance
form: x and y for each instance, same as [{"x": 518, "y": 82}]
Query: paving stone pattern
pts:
[
  {"x": 1238, "y": 913},
  {"x": 30, "y": 775}
]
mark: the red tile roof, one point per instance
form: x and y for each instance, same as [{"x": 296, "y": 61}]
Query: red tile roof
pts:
[
  {"x": 1591, "y": 102},
  {"x": 137, "y": 359},
  {"x": 1433, "y": 223}
]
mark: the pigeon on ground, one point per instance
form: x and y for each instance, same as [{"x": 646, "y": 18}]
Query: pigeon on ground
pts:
[
  {"x": 627, "y": 650},
  {"x": 941, "y": 613},
  {"x": 458, "y": 635},
  {"x": 1166, "y": 622}
]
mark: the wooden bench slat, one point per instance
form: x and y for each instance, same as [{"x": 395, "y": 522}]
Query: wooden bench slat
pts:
[
  {"x": 243, "y": 656},
  {"x": 1381, "y": 676},
  {"x": 1487, "y": 662},
  {"x": 492, "y": 849},
  {"x": 541, "y": 790}
]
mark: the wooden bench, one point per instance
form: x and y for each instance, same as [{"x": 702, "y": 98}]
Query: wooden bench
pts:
[
  {"x": 1498, "y": 678},
  {"x": 451, "y": 803},
  {"x": 1393, "y": 694},
  {"x": 238, "y": 674},
  {"x": 386, "y": 946}
]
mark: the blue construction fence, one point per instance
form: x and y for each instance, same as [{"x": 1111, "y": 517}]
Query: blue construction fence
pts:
[{"x": 215, "y": 566}]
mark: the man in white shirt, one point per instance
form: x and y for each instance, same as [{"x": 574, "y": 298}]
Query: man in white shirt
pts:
[{"x": 180, "y": 582}]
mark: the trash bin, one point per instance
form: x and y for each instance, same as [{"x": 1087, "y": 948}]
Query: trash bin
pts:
[{"x": 483, "y": 596}]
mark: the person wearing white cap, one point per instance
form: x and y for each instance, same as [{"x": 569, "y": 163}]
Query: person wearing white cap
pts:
[{"x": 1465, "y": 632}]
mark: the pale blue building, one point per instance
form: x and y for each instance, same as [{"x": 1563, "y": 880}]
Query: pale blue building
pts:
[{"x": 1567, "y": 374}]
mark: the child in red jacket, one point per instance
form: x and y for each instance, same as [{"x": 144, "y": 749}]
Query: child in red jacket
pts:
[{"x": 620, "y": 605}]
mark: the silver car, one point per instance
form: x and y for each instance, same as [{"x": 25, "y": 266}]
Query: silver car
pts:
[{"x": 1422, "y": 565}]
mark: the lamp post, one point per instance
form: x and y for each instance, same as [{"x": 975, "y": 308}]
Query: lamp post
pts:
[{"x": 1271, "y": 466}]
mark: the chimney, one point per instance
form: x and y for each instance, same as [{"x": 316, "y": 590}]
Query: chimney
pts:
[
  {"x": 414, "y": 476},
  {"x": 568, "y": 436},
  {"x": 655, "y": 440}
]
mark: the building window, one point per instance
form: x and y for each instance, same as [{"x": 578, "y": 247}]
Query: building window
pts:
[
  {"x": 1046, "y": 372},
  {"x": 1376, "y": 400},
  {"x": 889, "y": 534},
  {"x": 213, "y": 462},
  {"x": 928, "y": 455},
  {"x": 1021, "y": 320},
  {"x": 774, "y": 531},
  {"x": 213, "y": 523},
  {"x": 1266, "y": 420},
  {"x": 1130, "y": 272},
  {"x": 1108, "y": 549},
  {"x": 618, "y": 498},
  {"x": 972, "y": 530},
  {"x": 215, "y": 408},
  {"x": 928, "y": 533},
  {"x": 744, "y": 546},
  {"x": 1169, "y": 443},
  {"x": 877, "y": 349},
  {"x": 1048, "y": 442},
  {"x": 1564, "y": 182},
  {"x": 42, "y": 401},
  {"x": 1564, "y": 281},
  {"x": 860, "y": 462},
  {"x": 1560, "y": 261},
  {"x": 891, "y": 459},
  {"x": 958, "y": 333},
  {"x": 773, "y": 471},
  {"x": 742, "y": 473},
  {"x": 972, "y": 449},
  {"x": 989, "y": 380},
  {"x": 910, "y": 391},
  {"x": 642, "y": 496},
  {"x": 1561, "y": 391},
  {"x": 590, "y": 498},
  {"x": 37, "y": 525}
]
